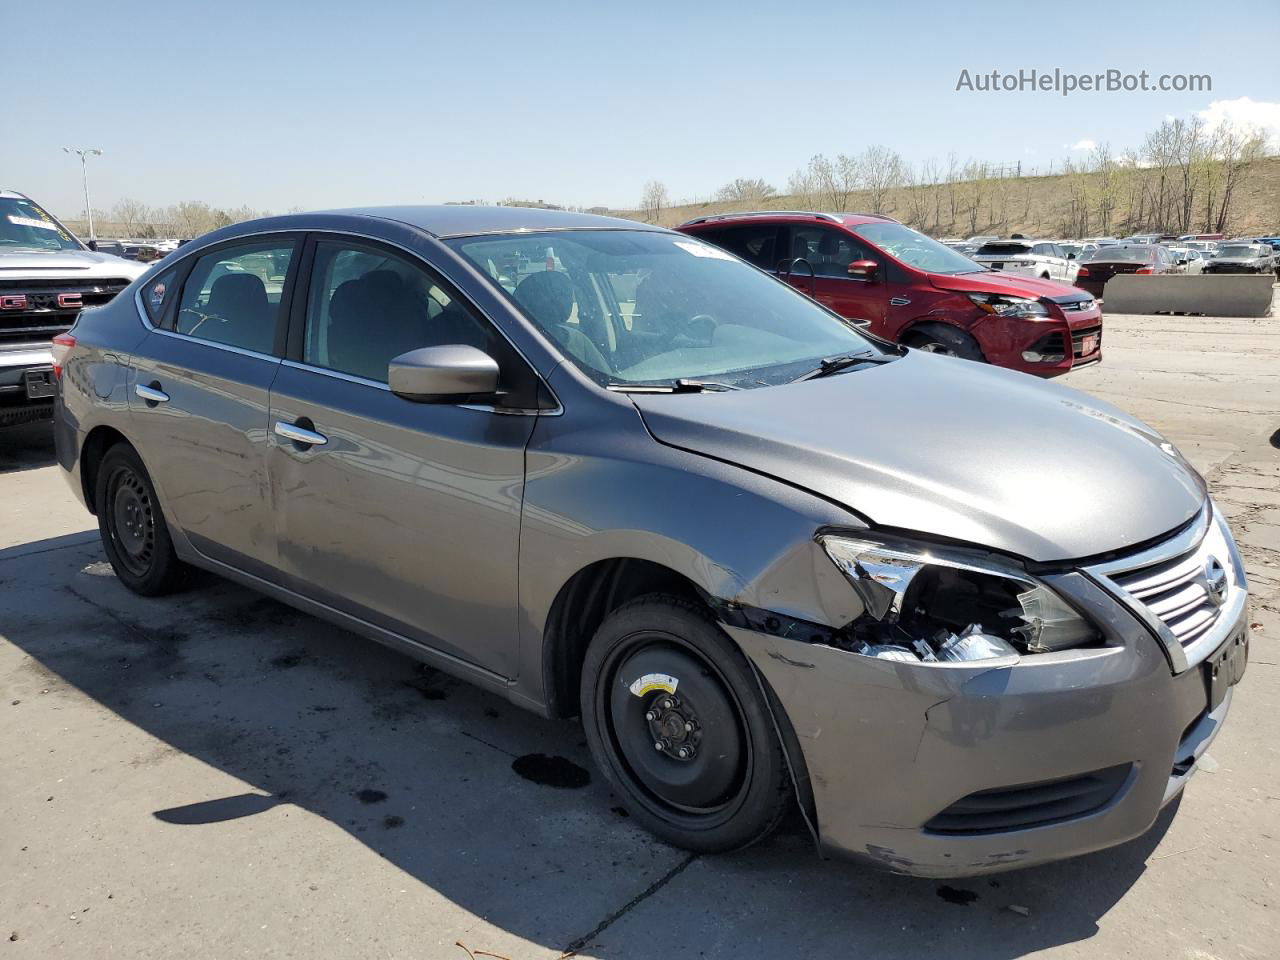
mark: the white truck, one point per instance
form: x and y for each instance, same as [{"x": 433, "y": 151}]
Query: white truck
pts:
[{"x": 46, "y": 277}]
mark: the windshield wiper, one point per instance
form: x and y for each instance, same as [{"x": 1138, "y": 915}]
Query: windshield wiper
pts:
[
  {"x": 681, "y": 385},
  {"x": 830, "y": 365}
]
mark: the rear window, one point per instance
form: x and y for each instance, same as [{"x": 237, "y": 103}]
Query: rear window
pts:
[
  {"x": 1123, "y": 254},
  {"x": 1003, "y": 249}
]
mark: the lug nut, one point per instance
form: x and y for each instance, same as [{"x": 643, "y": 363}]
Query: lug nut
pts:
[
  {"x": 688, "y": 727},
  {"x": 651, "y": 716},
  {"x": 658, "y": 744},
  {"x": 666, "y": 704},
  {"x": 683, "y": 753}
]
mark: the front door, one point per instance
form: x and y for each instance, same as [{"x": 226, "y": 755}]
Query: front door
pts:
[
  {"x": 819, "y": 266},
  {"x": 404, "y": 514},
  {"x": 199, "y": 396}
]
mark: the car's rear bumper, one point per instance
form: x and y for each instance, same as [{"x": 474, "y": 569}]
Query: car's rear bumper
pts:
[{"x": 895, "y": 752}]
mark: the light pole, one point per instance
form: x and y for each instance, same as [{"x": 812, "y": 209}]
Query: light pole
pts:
[{"x": 84, "y": 170}]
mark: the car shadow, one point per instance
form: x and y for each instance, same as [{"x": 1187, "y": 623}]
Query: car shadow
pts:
[
  {"x": 26, "y": 447},
  {"x": 422, "y": 769}
]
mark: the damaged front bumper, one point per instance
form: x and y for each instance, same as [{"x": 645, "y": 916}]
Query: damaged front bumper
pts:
[{"x": 945, "y": 770}]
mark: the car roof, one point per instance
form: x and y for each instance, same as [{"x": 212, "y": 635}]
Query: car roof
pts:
[
  {"x": 792, "y": 216},
  {"x": 460, "y": 220}
]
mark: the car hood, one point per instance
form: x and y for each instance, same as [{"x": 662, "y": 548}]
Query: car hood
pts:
[
  {"x": 996, "y": 281},
  {"x": 1236, "y": 261},
  {"x": 952, "y": 449},
  {"x": 73, "y": 263}
]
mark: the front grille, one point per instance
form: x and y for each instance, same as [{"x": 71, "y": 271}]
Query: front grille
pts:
[
  {"x": 38, "y": 318},
  {"x": 1030, "y": 804},
  {"x": 1176, "y": 591},
  {"x": 1077, "y": 340}
]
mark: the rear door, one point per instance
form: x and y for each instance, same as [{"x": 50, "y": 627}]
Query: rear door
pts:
[
  {"x": 199, "y": 398},
  {"x": 403, "y": 514}
]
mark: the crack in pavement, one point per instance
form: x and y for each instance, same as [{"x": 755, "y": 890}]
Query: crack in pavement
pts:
[{"x": 634, "y": 902}]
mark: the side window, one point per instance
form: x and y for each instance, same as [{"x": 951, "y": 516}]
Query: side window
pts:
[
  {"x": 1042, "y": 250},
  {"x": 367, "y": 306},
  {"x": 158, "y": 294},
  {"x": 828, "y": 251},
  {"x": 233, "y": 296},
  {"x": 755, "y": 243}
]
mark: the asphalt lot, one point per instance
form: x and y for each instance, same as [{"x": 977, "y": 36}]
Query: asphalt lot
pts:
[{"x": 215, "y": 775}]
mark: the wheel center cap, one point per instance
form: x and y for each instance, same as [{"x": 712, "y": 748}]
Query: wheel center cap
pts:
[{"x": 674, "y": 728}]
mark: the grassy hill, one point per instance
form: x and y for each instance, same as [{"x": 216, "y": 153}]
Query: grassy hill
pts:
[{"x": 1037, "y": 206}]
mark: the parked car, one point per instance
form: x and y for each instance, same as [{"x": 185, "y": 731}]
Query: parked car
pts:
[
  {"x": 1205, "y": 247},
  {"x": 46, "y": 277},
  {"x": 674, "y": 507},
  {"x": 1242, "y": 258},
  {"x": 113, "y": 247},
  {"x": 1032, "y": 258},
  {"x": 1106, "y": 262},
  {"x": 1186, "y": 260},
  {"x": 910, "y": 289}
]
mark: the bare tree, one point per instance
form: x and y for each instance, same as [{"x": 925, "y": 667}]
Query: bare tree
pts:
[
  {"x": 131, "y": 215},
  {"x": 1238, "y": 152},
  {"x": 879, "y": 170},
  {"x": 834, "y": 181},
  {"x": 802, "y": 187},
  {"x": 653, "y": 200},
  {"x": 745, "y": 190}
]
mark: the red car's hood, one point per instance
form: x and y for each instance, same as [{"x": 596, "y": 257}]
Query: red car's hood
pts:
[{"x": 994, "y": 281}]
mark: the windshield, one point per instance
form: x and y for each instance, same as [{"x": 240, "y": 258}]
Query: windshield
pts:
[
  {"x": 23, "y": 224},
  {"x": 1239, "y": 250},
  {"x": 1127, "y": 254},
  {"x": 638, "y": 307},
  {"x": 915, "y": 249}
]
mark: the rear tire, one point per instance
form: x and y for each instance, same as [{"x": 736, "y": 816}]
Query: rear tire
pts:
[
  {"x": 733, "y": 786},
  {"x": 134, "y": 533},
  {"x": 944, "y": 339}
]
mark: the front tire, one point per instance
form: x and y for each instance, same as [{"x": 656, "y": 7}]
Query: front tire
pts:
[
  {"x": 134, "y": 534},
  {"x": 946, "y": 340},
  {"x": 676, "y": 721}
]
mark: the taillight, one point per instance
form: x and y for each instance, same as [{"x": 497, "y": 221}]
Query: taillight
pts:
[
  {"x": 1084, "y": 272},
  {"x": 61, "y": 346},
  {"x": 1143, "y": 270}
]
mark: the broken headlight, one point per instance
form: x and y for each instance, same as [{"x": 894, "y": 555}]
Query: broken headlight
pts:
[
  {"x": 929, "y": 605},
  {"x": 1006, "y": 306}
]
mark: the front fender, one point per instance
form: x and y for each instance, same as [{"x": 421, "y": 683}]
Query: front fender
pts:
[{"x": 611, "y": 491}]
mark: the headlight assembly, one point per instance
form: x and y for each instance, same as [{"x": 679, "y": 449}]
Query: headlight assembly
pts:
[
  {"x": 1003, "y": 306},
  {"x": 933, "y": 605}
]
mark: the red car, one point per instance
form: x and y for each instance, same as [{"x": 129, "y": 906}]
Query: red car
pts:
[{"x": 906, "y": 287}]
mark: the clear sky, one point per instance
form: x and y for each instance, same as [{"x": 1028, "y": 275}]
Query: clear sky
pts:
[{"x": 318, "y": 104}]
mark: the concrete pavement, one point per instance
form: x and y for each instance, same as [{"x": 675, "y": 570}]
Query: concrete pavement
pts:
[{"x": 216, "y": 775}]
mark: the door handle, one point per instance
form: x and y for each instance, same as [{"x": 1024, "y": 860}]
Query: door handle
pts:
[
  {"x": 291, "y": 431},
  {"x": 151, "y": 394}
]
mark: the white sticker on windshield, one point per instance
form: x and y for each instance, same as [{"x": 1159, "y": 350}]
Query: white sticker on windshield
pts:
[
  {"x": 702, "y": 250},
  {"x": 32, "y": 222}
]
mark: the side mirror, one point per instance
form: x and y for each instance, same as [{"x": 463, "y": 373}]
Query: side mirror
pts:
[
  {"x": 1071, "y": 256},
  {"x": 92, "y": 245},
  {"x": 864, "y": 270},
  {"x": 445, "y": 374}
]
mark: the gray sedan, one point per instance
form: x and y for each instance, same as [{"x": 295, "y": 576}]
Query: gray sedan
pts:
[{"x": 965, "y": 619}]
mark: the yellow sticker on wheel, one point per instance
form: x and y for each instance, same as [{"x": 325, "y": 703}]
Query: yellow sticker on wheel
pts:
[{"x": 652, "y": 682}]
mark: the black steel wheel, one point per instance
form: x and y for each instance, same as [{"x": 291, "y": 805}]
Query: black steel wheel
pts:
[
  {"x": 133, "y": 530},
  {"x": 676, "y": 722},
  {"x": 944, "y": 339}
]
